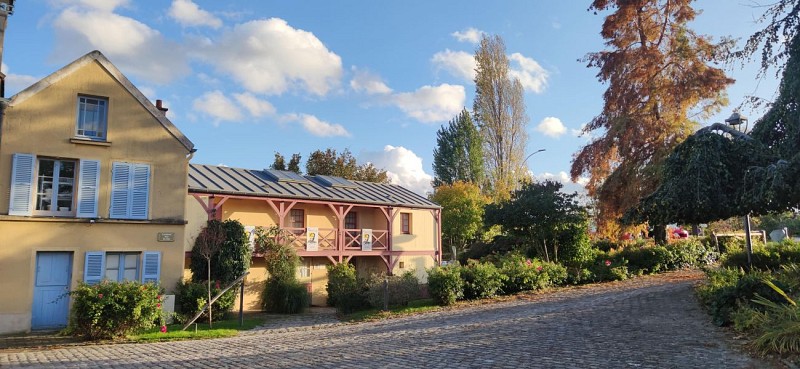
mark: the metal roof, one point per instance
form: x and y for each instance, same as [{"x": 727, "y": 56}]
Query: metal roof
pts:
[{"x": 214, "y": 179}]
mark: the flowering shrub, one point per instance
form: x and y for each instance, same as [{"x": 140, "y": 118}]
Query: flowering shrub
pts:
[
  {"x": 445, "y": 284},
  {"x": 111, "y": 310},
  {"x": 522, "y": 274},
  {"x": 402, "y": 289}
]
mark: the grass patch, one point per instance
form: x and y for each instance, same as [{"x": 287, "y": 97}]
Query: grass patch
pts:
[
  {"x": 221, "y": 329},
  {"x": 414, "y": 307}
]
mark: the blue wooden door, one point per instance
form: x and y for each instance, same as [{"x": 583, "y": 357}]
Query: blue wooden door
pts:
[{"x": 50, "y": 298}]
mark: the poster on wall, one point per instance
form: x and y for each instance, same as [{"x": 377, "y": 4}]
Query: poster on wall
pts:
[
  {"x": 312, "y": 239},
  {"x": 366, "y": 239},
  {"x": 250, "y": 232}
]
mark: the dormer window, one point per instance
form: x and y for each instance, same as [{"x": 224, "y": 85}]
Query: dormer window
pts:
[{"x": 92, "y": 118}]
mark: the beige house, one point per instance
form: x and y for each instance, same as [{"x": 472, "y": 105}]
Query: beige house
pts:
[
  {"x": 377, "y": 227},
  {"x": 92, "y": 186}
]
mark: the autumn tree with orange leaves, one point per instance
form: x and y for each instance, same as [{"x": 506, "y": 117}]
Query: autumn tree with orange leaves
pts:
[{"x": 660, "y": 83}]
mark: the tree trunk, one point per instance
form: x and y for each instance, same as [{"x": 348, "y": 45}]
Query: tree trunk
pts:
[
  {"x": 660, "y": 234},
  {"x": 209, "y": 292},
  {"x": 546, "y": 255}
]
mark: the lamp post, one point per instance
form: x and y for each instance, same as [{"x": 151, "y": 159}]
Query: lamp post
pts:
[
  {"x": 736, "y": 121},
  {"x": 531, "y": 154}
]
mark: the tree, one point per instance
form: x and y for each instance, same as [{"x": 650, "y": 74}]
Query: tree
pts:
[
  {"x": 279, "y": 163},
  {"x": 223, "y": 245},
  {"x": 458, "y": 155},
  {"x": 724, "y": 173},
  {"x": 658, "y": 83},
  {"x": 343, "y": 165},
  {"x": 294, "y": 163},
  {"x": 462, "y": 212},
  {"x": 499, "y": 111},
  {"x": 545, "y": 217}
]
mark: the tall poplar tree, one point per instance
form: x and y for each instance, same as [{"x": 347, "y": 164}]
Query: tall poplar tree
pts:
[
  {"x": 499, "y": 110},
  {"x": 458, "y": 155},
  {"x": 659, "y": 81}
]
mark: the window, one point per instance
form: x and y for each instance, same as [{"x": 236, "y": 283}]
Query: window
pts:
[
  {"x": 122, "y": 266},
  {"x": 406, "y": 222},
  {"x": 351, "y": 220},
  {"x": 305, "y": 269},
  {"x": 92, "y": 117},
  {"x": 55, "y": 187},
  {"x": 130, "y": 190},
  {"x": 298, "y": 218}
]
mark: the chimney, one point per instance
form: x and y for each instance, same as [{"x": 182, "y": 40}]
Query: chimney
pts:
[
  {"x": 6, "y": 9},
  {"x": 159, "y": 105}
]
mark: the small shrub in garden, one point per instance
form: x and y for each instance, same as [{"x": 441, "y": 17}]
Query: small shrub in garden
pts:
[
  {"x": 646, "y": 260},
  {"x": 728, "y": 289},
  {"x": 521, "y": 273},
  {"x": 769, "y": 257},
  {"x": 691, "y": 252},
  {"x": 111, "y": 310},
  {"x": 553, "y": 274},
  {"x": 609, "y": 270},
  {"x": 191, "y": 297},
  {"x": 285, "y": 297},
  {"x": 580, "y": 275},
  {"x": 346, "y": 291},
  {"x": 401, "y": 289},
  {"x": 445, "y": 285},
  {"x": 481, "y": 280},
  {"x": 605, "y": 245}
]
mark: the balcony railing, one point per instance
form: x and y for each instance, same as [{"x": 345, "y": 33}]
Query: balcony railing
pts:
[{"x": 328, "y": 240}]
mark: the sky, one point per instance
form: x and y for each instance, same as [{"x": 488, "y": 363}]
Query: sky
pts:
[{"x": 246, "y": 79}]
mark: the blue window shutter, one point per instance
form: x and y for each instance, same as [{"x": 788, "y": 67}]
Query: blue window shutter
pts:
[
  {"x": 140, "y": 191},
  {"x": 120, "y": 194},
  {"x": 88, "y": 188},
  {"x": 151, "y": 267},
  {"x": 21, "y": 200},
  {"x": 94, "y": 268}
]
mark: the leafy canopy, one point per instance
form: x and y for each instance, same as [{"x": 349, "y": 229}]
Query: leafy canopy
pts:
[{"x": 462, "y": 213}]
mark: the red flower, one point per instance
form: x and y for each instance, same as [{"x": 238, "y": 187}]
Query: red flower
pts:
[
  {"x": 217, "y": 285},
  {"x": 539, "y": 268},
  {"x": 163, "y": 329},
  {"x": 158, "y": 306},
  {"x": 528, "y": 262},
  {"x": 608, "y": 262},
  {"x": 100, "y": 295},
  {"x": 158, "y": 297}
]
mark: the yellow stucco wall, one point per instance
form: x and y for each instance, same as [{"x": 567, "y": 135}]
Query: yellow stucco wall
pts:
[{"x": 43, "y": 124}]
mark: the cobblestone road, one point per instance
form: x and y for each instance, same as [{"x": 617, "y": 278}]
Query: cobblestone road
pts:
[{"x": 651, "y": 322}]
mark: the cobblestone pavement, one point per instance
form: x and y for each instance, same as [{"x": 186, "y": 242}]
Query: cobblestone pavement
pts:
[{"x": 651, "y": 322}]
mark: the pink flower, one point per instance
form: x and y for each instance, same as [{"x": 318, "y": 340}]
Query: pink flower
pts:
[
  {"x": 163, "y": 329},
  {"x": 608, "y": 262},
  {"x": 100, "y": 295},
  {"x": 528, "y": 262},
  {"x": 539, "y": 268},
  {"x": 158, "y": 297},
  {"x": 158, "y": 306}
]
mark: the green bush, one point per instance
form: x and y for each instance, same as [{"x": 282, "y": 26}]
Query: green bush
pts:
[
  {"x": 605, "y": 245},
  {"x": 522, "y": 274},
  {"x": 580, "y": 275},
  {"x": 609, "y": 269},
  {"x": 481, "y": 280},
  {"x": 346, "y": 291},
  {"x": 769, "y": 257},
  {"x": 111, "y": 310},
  {"x": 646, "y": 260},
  {"x": 232, "y": 258},
  {"x": 445, "y": 285},
  {"x": 191, "y": 297},
  {"x": 553, "y": 274},
  {"x": 692, "y": 253},
  {"x": 401, "y": 289},
  {"x": 728, "y": 289},
  {"x": 285, "y": 297}
]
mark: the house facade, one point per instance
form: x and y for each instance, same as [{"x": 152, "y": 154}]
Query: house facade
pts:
[
  {"x": 377, "y": 227},
  {"x": 93, "y": 183}
]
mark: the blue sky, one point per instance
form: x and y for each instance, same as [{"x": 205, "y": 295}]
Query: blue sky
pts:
[{"x": 243, "y": 79}]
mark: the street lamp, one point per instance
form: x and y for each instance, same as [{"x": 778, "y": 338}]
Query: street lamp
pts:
[
  {"x": 531, "y": 154},
  {"x": 737, "y": 121}
]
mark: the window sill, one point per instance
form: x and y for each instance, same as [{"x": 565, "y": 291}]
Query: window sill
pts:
[
  {"x": 15, "y": 218},
  {"x": 86, "y": 141}
]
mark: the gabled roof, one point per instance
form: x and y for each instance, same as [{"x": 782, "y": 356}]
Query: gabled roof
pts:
[
  {"x": 114, "y": 72},
  {"x": 213, "y": 179}
]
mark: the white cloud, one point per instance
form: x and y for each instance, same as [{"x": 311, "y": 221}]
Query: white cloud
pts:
[
  {"x": 132, "y": 45},
  {"x": 471, "y": 35},
  {"x": 255, "y": 106},
  {"x": 431, "y": 103},
  {"x": 16, "y": 82},
  {"x": 569, "y": 185},
  {"x": 317, "y": 127},
  {"x": 403, "y": 167},
  {"x": 269, "y": 56},
  {"x": 460, "y": 64},
  {"x": 551, "y": 126},
  {"x": 188, "y": 14},
  {"x": 218, "y": 106},
  {"x": 103, "y": 5},
  {"x": 364, "y": 81},
  {"x": 532, "y": 76}
]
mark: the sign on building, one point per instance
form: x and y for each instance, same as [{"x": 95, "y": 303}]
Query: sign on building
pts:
[
  {"x": 312, "y": 239},
  {"x": 366, "y": 239}
]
